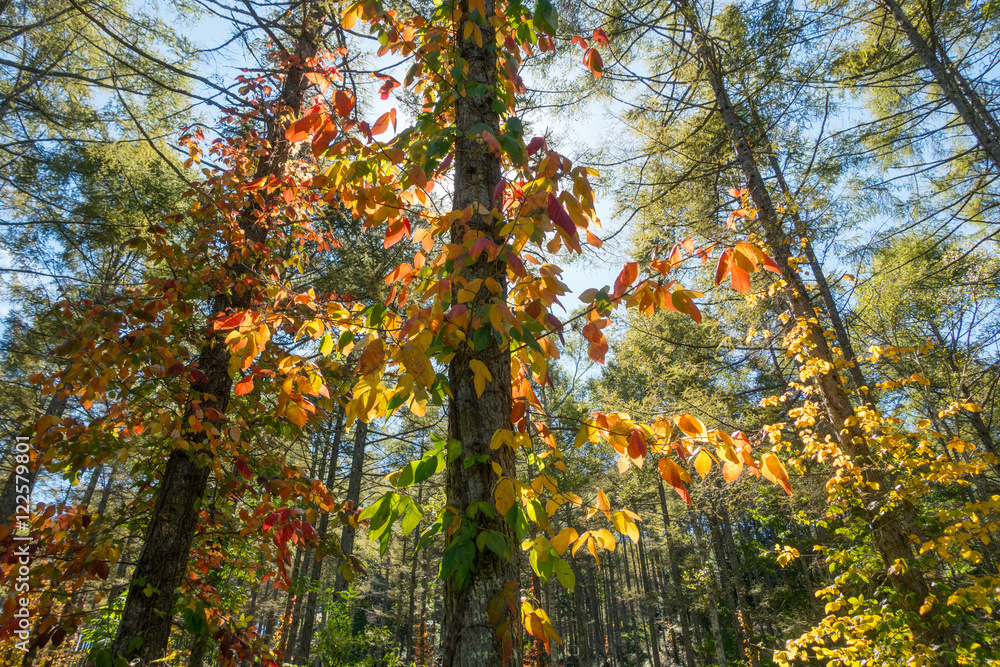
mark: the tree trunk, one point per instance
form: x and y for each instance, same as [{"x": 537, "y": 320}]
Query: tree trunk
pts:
[
  {"x": 353, "y": 495},
  {"x": 647, "y": 603},
  {"x": 316, "y": 566},
  {"x": 144, "y": 630},
  {"x": 957, "y": 90},
  {"x": 676, "y": 582},
  {"x": 468, "y": 639},
  {"x": 713, "y": 607},
  {"x": 890, "y": 526},
  {"x": 8, "y": 502}
]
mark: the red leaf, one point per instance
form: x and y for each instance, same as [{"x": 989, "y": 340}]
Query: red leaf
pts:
[
  {"x": 559, "y": 216},
  {"x": 343, "y": 102},
  {"x": 592, "y": 59},
  {"x": 244, "y": 469},
  {"x": 244, "y": 386},
  {"x": 498, "y": 192},
  {"x": 535, "y": 144},
  {"x": 580, "y": 41},
  {"x": 636, "y": 444},
  {"x": 600, "y": 37},
  {"x": 627, "y": 276}
]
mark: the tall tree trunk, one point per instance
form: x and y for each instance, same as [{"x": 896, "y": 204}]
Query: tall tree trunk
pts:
[
  {"x": 713, "y": 606},
  {"x": 316, "y": 566},
  {"x": 468, "y": 639},
  {"x": 676, "y": 582},
  {"x": 8, "y": 501},
  {"x": 146, "y": 619},
  {"x": 353, "y": 495},
  {"x": 956, "y": 88},
  {"x": 890, "y": 524},
  {"x": 648, "y": 605}
]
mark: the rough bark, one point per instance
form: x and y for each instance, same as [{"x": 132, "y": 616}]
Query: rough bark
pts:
[
  {"x": 353, "y": 494},
  {"x": 144, "y": 630},
  {"x": 890, "y": 525},
  {"x": 676, "y": 582},
  {"x": 957, "y": 90},
  {"x": 468, "y": 639}
]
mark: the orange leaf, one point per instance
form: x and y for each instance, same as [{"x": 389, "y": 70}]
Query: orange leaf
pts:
[
  {"x": 627, "y": 276},
  {"x": 244, "y": 386},
  {"x": 774, "y": 470},
  {"x": 730, "y": 471},
  {"x": 382, "y": 124},
  {"x": 674, "y": 475},
  {"x": 296, "y": 414},
  {"x": 723, "y": 267},
  {"x": 592, "y": 59},
  {"x": 692, "y": 426},
  {"x": 343, "y": 102},
  {"x": 372, "y": 358}
]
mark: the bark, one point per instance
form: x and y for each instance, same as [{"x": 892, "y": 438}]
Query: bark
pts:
[
  {"x": 957, "y": 90},
  {"x": 746, "y": 626},
  {"x": 316, "y": 566},
  {"x": 890, "y": 524},
  {"x": 468, "y": 639},
  {"x": 144, "y": 630},
  {"x": 286, "y": 617},
  {"x": 353, "y": 495},
  {"x": 9, "y": 500},
  {"x": 198, "y": 649},
  {"x": 677, "y": 583},
  {"x": 647, "y": 603},
  {"x": 713, "y": 607}
]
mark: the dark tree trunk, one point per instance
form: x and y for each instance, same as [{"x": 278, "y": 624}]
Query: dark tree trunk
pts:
[
  {"x": 468, "y": 639},
  {"x": 144, "y": 630},
  {"x": 316, "y": 566},
  {"x": 353, "y": 495},
  {"x": 957, "y": 90},
  {"x": 677, "y": 583}
]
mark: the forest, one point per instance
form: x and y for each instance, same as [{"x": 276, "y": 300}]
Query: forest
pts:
[{"x": 489, "y": 333}]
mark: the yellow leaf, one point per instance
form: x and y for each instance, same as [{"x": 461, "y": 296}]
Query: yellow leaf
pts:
[
  {"x": 730, "y": 471},
  {"x": 415, "y": 360},
  {"x": 482, "y": 375},
  {"x": 774, "y": 470},
  {"x": 500, "y": 438},
  {"x": 296, "y": 414},
  {"x": 561, "y": 541},
  {"x": 692, "y": 426},
  {"x": 703, "y": 463}
]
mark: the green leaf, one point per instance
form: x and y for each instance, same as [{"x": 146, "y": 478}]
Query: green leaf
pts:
[
  {"x": 513, "y": 150},
  {"x": 564, "y": 572},
  {"x": 546, "y": 17},
  {"x": 481, "y": 339}
]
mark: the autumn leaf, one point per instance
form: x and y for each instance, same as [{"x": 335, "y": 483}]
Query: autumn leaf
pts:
[
  {"x": 603, "y": 504},
  {"x": 692, "y": 426},
  {"x": 244, "y": 386},
  {"x": 482, "y": 375},
  {"x": 774, "y": 470},
  {"x": 703, "y": 463},
  {"x": 675, "y": 476}
]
